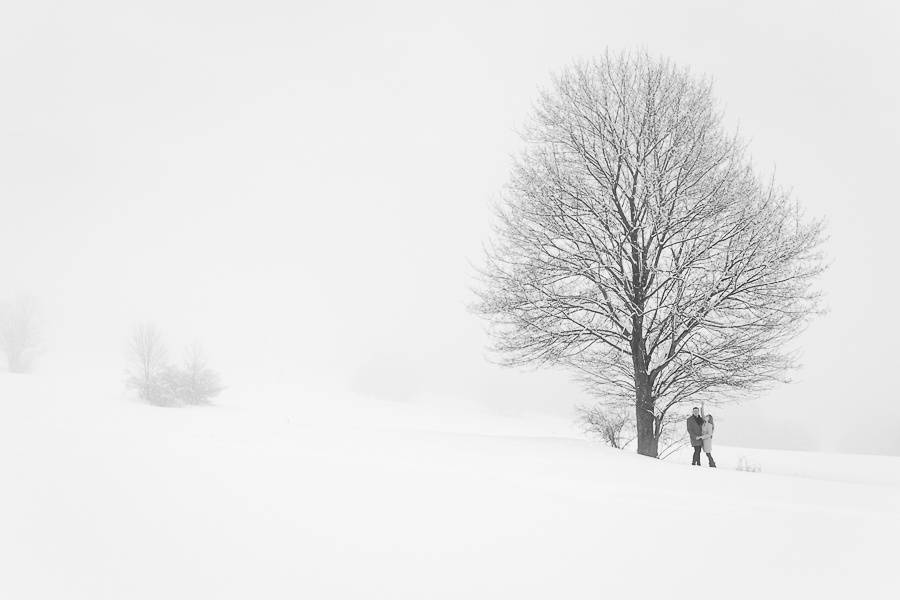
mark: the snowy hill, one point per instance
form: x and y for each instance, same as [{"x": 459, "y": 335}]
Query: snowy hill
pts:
[{"x": 287, "y": 496}]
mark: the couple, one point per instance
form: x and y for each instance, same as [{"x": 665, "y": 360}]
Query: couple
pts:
[{"x": 700, "y": 427}]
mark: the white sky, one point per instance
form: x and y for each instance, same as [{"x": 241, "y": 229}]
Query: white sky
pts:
[{"x": 301, "y": 187}]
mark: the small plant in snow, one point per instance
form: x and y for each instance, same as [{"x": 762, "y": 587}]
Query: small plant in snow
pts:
[
  {"x": 613, "y": 426},
  {"x": 745, "y": 465}
]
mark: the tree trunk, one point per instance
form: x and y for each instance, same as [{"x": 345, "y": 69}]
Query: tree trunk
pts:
[{"x": 647, "y": 442}]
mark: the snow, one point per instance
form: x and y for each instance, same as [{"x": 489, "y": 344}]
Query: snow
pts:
[{"x": 289, "y": 493}]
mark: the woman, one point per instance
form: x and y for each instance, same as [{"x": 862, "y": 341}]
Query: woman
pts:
[{"x": 706, "y": 434}]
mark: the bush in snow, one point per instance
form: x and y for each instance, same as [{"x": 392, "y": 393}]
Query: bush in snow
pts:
[
  {"x": 163, "y": 384},
  {"x": 614, "y": 426},
  {"x": 191, "y": 383},
  {"x": 745, "y": 465}
]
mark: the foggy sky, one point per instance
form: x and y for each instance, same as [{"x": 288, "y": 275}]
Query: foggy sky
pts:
[{"x": 303, "y": 188}]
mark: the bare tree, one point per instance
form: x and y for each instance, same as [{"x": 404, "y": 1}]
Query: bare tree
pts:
[
  {"x": 636, "y": 245},
  {"x": 614, "y": 427},
  {"x": 148, "y": 357},
  {"x": 20, "y": 335}
]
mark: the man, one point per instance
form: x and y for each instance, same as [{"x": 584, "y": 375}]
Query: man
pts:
[{"x": 695, "y": 428}]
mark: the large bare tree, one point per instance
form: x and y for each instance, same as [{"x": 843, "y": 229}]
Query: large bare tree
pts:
[{"x": 636, "y": 245}]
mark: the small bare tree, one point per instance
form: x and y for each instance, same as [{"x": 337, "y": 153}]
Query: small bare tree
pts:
[
  {"x": 20, "y": 336},
  {"x": 148, "y": 357},
  {"x": 636, "y": 246},
  {"x": 615, "y": 427}
]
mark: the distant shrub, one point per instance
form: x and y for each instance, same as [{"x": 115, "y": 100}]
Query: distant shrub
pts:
[
  {"x": 20, "y": 333},
  {"x": 163, "y": 384},
  {"x": 745, "y": 465},
  {"x": 191, "y": 383}
]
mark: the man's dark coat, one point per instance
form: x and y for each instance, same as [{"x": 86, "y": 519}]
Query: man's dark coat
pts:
[{"x": 694, "y": 427}]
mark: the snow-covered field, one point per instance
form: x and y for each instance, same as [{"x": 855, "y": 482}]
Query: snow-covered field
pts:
[{"x": 281, "y": 494}]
